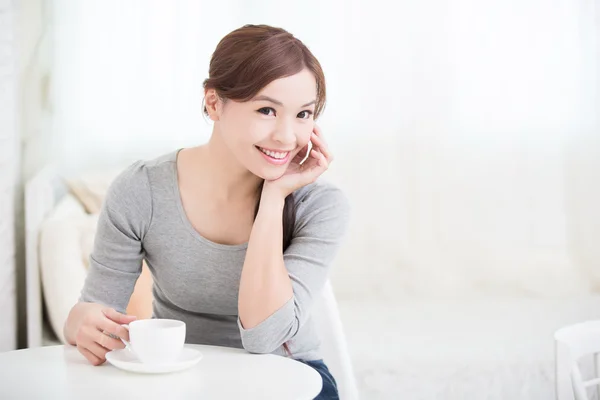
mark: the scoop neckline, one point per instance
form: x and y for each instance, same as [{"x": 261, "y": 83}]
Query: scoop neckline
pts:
[{"x": 184, "y": 218}]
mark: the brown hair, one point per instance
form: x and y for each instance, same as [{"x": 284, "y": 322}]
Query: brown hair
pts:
[{"x": 247, "y": 60}]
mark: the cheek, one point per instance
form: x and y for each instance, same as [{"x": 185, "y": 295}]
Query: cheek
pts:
[
  {"x": 255, "y": 133},
  {"x": 240, "y": 132},
  {"x": 304, "y": 136}
]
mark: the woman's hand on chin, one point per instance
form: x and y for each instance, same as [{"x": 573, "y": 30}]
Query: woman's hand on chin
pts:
[{"x": 299, "y": 175}]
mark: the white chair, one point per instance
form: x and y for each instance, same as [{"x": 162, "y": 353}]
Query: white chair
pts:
[
  {"x": 333, "y": 343},
  {"x": 572, "y": 344}
]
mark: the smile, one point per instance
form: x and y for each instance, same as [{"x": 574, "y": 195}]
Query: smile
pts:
[{"x": 275, "y": 157}]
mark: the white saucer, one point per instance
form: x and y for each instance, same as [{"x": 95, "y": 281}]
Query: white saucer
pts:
[{"x": 126, "y": 360}]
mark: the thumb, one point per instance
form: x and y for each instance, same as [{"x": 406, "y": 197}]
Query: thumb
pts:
[{"x": 117, "y": 317}]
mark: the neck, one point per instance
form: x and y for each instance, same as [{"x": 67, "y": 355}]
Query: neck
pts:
[{"x": 227, "y": 179}]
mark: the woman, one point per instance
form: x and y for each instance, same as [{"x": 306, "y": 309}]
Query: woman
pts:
[{"x": 237, "y": 233}]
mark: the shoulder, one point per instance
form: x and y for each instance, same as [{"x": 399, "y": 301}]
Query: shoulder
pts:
[
  {"x": 131, "y": 182},
  {"x": 324, "y": 204},
  {"x": 136, "y": 178},
  {"x": 132, "y": 187},
  {"x": 128, "y": 203}
]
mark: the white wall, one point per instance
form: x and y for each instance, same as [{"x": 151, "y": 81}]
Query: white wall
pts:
[
  {"x": 465, "y": 132},
  {"x": 135, "y": 89},
  {"x": 483, "y": 135},
  {"x": 9, "y": 169}
]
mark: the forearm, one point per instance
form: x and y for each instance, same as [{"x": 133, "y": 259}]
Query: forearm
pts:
[{"x": 264, "y": 285}]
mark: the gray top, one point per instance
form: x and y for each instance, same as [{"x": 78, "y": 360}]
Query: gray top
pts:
[{"x": 197, "y": 280}]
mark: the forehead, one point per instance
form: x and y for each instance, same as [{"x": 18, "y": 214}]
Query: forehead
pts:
[{"x": 294, "y": 90}]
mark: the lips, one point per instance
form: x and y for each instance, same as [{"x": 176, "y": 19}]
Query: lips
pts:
[
  {"x": 274, "y": 157},
  {"x": 279, "y": 155}
]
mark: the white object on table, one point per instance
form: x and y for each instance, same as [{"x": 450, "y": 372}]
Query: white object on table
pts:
[
  {"x": 60, "y": 372},
  {"x": 125, "y": 359},
  {"x": 572, "y": 344}
]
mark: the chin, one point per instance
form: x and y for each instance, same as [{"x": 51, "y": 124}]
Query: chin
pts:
[{"x": 272, "y": 174}]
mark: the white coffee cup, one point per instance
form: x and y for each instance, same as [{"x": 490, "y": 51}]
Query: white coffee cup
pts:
[{"x": 156, "y": 341}]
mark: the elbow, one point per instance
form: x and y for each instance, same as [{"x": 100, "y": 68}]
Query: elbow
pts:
[
  {"x": 265, "y": 341},
  {"x": 270, "y": 334},
  {"x": 255, "y": 346}
]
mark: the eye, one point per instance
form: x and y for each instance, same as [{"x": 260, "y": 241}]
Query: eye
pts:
[
  {"x": 306, "y": 114},
  {"x": 266, "y": 111}
]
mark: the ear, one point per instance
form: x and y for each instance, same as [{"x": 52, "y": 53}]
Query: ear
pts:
[{"x": 213, "y": 104}]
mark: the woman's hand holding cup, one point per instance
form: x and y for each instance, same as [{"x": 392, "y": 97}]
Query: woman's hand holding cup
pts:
[{"x": 99, "y": 332}]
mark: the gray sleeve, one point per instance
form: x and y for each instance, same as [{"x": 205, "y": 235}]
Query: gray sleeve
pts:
[
  {"x": 322, "y": 219},
  {"x": 116, "y": 259}
]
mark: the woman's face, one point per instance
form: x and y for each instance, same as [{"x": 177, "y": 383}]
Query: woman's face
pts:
[{"x": 265, "y": 133}]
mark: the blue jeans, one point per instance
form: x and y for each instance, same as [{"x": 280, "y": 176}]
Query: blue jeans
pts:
[{"x": 329, "y": 390}]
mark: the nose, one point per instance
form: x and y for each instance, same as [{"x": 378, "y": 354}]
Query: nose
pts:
[{"x": 284, "y": 132}]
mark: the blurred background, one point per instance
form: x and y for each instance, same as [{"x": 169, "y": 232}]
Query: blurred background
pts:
[{"x": 466, "y": 136}]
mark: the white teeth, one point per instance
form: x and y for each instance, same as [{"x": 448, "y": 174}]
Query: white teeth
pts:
[{"x": 273, "y": 153}]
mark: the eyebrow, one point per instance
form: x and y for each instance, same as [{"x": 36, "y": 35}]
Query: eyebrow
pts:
[{"x": 272, "y": 100}]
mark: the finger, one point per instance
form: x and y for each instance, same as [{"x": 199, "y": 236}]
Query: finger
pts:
[
  {"x": 301, "y": 155},
  {"x": 321, "y": 161},
  {"x": 117, "y": 317},
  {"x": 108, "y": 342},
  {"x": 89, "y": 355},
  {"x": 318, "y": 131},
  {"x": 319, "y": 166},
  {"x": 95, "y": 348},
  {"x": 311, "y": 162},
  {"x": 113, "y": 328},
  {"x": 323, "y": 148}
]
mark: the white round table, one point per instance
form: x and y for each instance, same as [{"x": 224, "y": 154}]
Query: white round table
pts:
[{"x": 61, "y": 372}]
